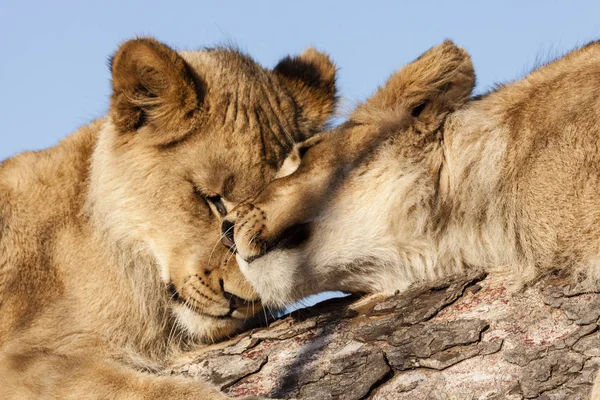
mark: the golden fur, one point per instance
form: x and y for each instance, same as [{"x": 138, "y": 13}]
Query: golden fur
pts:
[
  {"x": 109, "y": 255},
  {"x": 448, "y": 181},
  {"x": 423, "y": 182}
]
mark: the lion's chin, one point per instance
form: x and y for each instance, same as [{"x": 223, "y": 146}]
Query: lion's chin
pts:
[
  {"x": 204, "y": 328},
  {"x": 275, "y": 277}
]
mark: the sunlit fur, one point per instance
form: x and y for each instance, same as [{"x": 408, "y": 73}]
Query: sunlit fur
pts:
[
  {"x": 508, "y": 179},
  {"x": 110, "y": 254}
]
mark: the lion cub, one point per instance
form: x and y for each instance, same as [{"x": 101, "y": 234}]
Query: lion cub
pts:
[
  {"x": 424, "y": 181},
  {"x": 108, "y": 241}
]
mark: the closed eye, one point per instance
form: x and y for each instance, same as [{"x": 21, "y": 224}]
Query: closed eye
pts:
[{"x": 217, "y": 202}]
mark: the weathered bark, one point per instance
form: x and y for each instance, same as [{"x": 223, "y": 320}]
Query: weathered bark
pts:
[{"x": 472, "y": 338}]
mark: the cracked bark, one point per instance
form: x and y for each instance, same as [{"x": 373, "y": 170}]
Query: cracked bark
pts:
[{"x": 468, "y": 338}]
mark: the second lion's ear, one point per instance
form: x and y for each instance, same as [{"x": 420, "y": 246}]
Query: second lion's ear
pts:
[
  {"x": 428, "y": 89},
  {"x": 310, "y": 79},
  {"x": 153, "y": 86}
]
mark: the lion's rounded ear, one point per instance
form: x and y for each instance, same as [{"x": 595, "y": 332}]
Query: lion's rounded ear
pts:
[
  {"x": 154, "y": 86},
  {"x": 310, "y": 79},
  {"x": 434, "y": 85}
]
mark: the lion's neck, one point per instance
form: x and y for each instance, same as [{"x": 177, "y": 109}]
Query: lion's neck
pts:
[
  {"x": 473, "y": 208},
  {"x": 456, "y": 219}
]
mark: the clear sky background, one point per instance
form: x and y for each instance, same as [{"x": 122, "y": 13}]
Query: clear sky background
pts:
[{"x": 53, "y": 54}]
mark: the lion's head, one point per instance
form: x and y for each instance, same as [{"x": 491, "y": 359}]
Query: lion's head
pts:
[
  {"x": 190, "y": 135},
  {"x": 347, "y": 204}
]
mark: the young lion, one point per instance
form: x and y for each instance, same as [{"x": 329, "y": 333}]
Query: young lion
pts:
[
  {"x": 422, "y": 182},
  {"x": 108, "y": 241}
]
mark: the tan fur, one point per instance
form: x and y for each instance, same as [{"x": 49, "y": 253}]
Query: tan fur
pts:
[
  {"x": 423, "y": 182},
  {"x": 110, "y": 260}
]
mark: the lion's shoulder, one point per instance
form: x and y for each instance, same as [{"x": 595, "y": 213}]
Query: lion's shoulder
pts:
[
  {"x": 41, "y": 194},
  {"x": 40, "y": 183}
]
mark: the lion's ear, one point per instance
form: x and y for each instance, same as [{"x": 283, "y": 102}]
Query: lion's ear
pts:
[
  {"x": 153, "y": 86},
  {"x": 310, "y": 79},
  {"x": 435, "y": 84}
]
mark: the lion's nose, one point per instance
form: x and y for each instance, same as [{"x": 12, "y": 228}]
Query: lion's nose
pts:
[{"x": 227, "y": 236}]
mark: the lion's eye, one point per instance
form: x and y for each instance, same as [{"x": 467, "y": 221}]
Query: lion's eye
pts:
[{"x": 217, "y": 201}]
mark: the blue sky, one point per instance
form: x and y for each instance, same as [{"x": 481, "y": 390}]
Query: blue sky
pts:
[
  {"x": 53, "y": 54},
  {"x": 54, "y": 75},
  {"x": 53, "y": 66}
]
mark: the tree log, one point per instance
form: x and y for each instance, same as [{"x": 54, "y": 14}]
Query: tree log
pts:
[{"x": 471, "y": 337}]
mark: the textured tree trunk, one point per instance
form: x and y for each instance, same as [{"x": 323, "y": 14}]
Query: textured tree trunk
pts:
[{"x": 469, "y": 338}]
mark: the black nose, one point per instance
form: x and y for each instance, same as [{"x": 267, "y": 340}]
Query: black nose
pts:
[{"x": 227, "y": 237}]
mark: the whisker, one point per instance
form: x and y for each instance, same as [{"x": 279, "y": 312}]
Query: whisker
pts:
[
  {"x": 169, "y": 336},
  {"x": 219, "y": 241},
  {"x": 271, "y": 311},
  {"x": 243, "y": 237},
  {"x": 181, "y": 337},
  {"x": 255, "y": 248},
  {"x": 191, "y": 279},
  {"x": 171, "y": 333},
  {"x": 233, "y": 251},
  {"x": 197, "y": 303},
  {"x": 216, "y": 300},
  {"x": 252, "y": 238}
]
